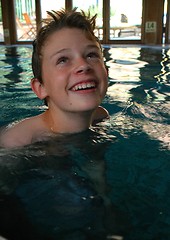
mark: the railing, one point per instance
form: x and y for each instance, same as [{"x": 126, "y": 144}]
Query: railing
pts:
[{"x": 119, "y": 31}]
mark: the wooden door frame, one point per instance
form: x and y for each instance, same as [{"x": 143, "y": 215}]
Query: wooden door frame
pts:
[
  {"x": 106, "y": 28},
  {"x": 167, "y": 26}
]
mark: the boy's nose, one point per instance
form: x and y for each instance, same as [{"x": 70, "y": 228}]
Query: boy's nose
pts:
[{"x": 82, "y": 66}]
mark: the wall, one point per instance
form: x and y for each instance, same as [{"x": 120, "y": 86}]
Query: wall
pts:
[{"x": 152, "y": 25}]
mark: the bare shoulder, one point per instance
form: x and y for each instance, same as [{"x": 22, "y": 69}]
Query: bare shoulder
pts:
[
  {"x": 20, "y": 133},
  {"x": 99, "y": 115}
]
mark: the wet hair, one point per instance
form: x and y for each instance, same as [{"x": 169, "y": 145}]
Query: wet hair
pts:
[{"x": 59, "y": 20}]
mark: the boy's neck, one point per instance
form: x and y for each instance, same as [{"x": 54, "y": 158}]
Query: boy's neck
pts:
[{"x": 67, "y": 123}]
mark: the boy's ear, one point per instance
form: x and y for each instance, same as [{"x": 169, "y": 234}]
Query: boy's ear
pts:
[{"x": 38, "y": 88}]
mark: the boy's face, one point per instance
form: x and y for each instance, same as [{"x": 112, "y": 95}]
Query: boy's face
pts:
[{"x": 73, "y": 71}]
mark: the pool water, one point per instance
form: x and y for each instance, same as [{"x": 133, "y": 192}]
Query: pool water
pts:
[{"x": 109, "y": 182}]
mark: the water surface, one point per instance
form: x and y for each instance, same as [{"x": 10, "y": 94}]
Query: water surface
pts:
[{"x": 109, "y": 182}]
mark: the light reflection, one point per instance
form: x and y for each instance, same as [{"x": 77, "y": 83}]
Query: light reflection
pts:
[
  {"x": 115, "y": 237},
  {"x": 158, "y": 131}
]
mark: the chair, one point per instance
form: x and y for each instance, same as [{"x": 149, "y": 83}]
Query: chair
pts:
[
  {"x": 23, "y": 32},
  {"x": 31, "y": 31}
]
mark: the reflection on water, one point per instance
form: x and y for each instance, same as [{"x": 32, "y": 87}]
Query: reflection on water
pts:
[
  {"x": 142, "y": 72},
  {"x": 109, "y": 182}
]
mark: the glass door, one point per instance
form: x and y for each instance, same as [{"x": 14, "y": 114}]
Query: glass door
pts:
[
  {"x": 25, "y": 19},
  {"x": 94, "y": 6},
  {"x": 48, "y": 5},
  {"x": 26, "y": 16},
  {"x": 125, "y": 20},
  {"x": 1, "y": 26}
]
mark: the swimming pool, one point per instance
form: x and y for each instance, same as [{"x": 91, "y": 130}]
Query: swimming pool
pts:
[{"x": 109, "y": 182}]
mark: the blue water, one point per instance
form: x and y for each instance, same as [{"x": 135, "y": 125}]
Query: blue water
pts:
[{"x": 109, "y": 182}]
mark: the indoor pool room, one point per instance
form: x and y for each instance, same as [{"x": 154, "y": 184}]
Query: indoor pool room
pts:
[
  {"x": 111, "y": 181},
  {"x": 84, "y": 143}
]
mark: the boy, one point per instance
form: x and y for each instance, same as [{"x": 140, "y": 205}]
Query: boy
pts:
[{"x": 69, "y": 73}]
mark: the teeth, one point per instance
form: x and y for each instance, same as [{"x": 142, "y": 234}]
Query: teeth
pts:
[{"x": 83, "y": 86}]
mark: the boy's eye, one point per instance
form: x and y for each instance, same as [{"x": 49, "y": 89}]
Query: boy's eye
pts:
[
  {"x": 93, "y": 55},
  {"x": 62, "y": 60}
]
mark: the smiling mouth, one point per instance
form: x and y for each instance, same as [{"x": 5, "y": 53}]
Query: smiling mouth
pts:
[{"x": 84, "y": 86}]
